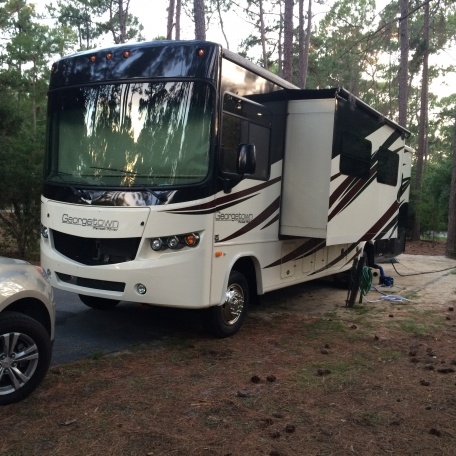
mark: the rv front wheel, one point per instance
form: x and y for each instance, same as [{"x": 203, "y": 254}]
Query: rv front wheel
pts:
[
  {"x": 226, "y": 320},
  {"x": 98, "y": 303}
]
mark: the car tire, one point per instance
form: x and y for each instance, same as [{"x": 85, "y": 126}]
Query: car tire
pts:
[
  {"x": 25, "y": 356},
  {"x": 98, "y": 303},
  {"x": 226, "y": 320}
]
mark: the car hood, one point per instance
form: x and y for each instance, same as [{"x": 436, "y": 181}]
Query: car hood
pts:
[{"x": 8, "y": 261}]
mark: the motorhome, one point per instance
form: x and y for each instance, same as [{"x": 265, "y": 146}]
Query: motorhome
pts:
[{"x": 179, "y": 174}]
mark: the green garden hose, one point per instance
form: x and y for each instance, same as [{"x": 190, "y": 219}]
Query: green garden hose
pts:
[{"x": 365, "y": 283}]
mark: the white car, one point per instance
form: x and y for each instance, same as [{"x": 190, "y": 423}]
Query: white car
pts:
[{"x": 27, "y": 326}]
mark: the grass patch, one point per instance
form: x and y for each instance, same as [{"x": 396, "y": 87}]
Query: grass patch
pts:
[
  {"x": 332, "y": 374},
  {"x": 413, "y": 327},
  {"x": 319, "y": 327},
  {"x": 412, "y": 295},
  {"x": 389, "y": 355},
  {"x": 362, "y": 310},
  {"x": 427, "y": 320},
  {"x": 373, "y": 418},
  {"x": 97, "y": 355}
]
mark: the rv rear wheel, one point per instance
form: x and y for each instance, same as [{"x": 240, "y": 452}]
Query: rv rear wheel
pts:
[
  {"x": 226, "y": 320},
  {"x": 98, "y": 303}
]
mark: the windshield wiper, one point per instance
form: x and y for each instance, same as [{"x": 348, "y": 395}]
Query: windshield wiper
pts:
[
  {"x": 76, "y": 191},
  {"x": 113, "y": 169}
]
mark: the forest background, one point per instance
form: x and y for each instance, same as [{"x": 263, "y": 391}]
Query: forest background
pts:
[{"x": 394, "y": 55}]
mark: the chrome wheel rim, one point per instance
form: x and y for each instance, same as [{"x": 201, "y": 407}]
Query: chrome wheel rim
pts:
[
  {"x": 234, "y": 304},
  {"x": 19, "y": 358}
]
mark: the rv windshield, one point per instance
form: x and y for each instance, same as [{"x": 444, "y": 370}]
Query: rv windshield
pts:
[{"x": 130, "y": 134}]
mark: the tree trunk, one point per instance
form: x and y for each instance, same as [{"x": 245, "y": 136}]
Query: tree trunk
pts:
[
  {"x": 301, "y": 36},
  {"x": 222, "y": 27},
  {"x": 263, "y": 36},
  {"x": 288, "y": 40},
  {"x": 122, "y": 17},
  {"x": 169, "y": 27},
  {"x": 200, "y": 20},
  {"x": 280, "y": 45},
  {"x": 305, "y": 57},
  {"x": 34, "y": 98},
  {"x": 403, "y": 66},
  {"x": 422, "y": 125},
  {"x": 450, "y": 250},
  {"x": 123, "y": 14},
  {"x": 178, "y": 18}
]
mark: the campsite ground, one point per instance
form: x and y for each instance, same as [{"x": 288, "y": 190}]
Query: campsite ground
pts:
[{"x": 305, "y": 376}]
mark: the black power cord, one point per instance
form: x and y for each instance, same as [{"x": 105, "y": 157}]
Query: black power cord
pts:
[{"x": 421, "y": 273}]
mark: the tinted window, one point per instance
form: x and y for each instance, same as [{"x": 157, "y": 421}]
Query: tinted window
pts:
[
  {"x": 388, "y": 167},
  {"x": 355, "y": 155},
  {"x": 245, "y": 122}
]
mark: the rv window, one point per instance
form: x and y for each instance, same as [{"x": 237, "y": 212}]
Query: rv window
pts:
[
  {"x": 245, "y": 123},
  {"x": 355, "y": 155},
  {"x": 388, "y": 167}
]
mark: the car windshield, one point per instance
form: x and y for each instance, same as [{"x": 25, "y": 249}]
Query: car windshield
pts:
[{"x": 130, "y": 134}]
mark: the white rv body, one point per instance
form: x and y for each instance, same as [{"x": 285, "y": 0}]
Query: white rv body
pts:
[
  {"x": 310, "y": 171},
  {"x": 300, "y": 220}
]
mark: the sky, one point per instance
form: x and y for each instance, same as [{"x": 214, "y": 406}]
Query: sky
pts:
[
  {"x": 153, "y": 15},
  {"x": 156, "y": 10},
  {"x": 237, "y": 28},
  {"x": 156, "y": 26}
]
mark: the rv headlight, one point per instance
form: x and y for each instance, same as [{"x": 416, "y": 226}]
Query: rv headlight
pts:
[
  {"x": 156, "y": 244},
  {"x": 175, "y": 242},
  {"x": 192, "y": 239},
  {"x": 44, "y": 231},
  {"x": 172, "y": 242}
]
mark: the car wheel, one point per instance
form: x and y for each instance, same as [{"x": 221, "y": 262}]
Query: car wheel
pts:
[
  {"x": 25, "y": 355},
  {"x": 98, "y": 303},
  {"x": 226, "y": 320}
]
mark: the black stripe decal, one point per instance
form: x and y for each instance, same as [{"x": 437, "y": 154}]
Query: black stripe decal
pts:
[
  {"x": 390, "y": 227},
  {"x": 212, "y": 209},
  {"x": 350, "y": 186},
  {"x": 376, "y": 228},
  {"x": 306, "y": 249},
  {"x": 353, "y": 194},
  {"x": 272, "y": 221},
  {"x": 214, "y": 206},
  {"x": 256, "y": 221},
  {"x": 405, "y": 184},
  {"x": 350, "y": 182},
  {"x": 337, "y": 259}
]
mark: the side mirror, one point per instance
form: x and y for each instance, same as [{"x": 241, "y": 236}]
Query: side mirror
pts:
[
  {"x": 245, "y": 164},
  {"x": 246, "y": 159}
]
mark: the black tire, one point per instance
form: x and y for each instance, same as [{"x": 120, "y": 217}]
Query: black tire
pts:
[
  {"x": 226, "y": 320},
  {"x": 342, "y": 280},
  {"x": 25, "y": 356},
  {"x": 98, "y": 303}
]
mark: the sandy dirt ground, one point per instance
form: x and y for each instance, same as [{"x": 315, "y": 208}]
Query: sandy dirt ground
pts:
[
  {"x": 420, "y": 282},
  {"x": 305, "y": 376}
]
